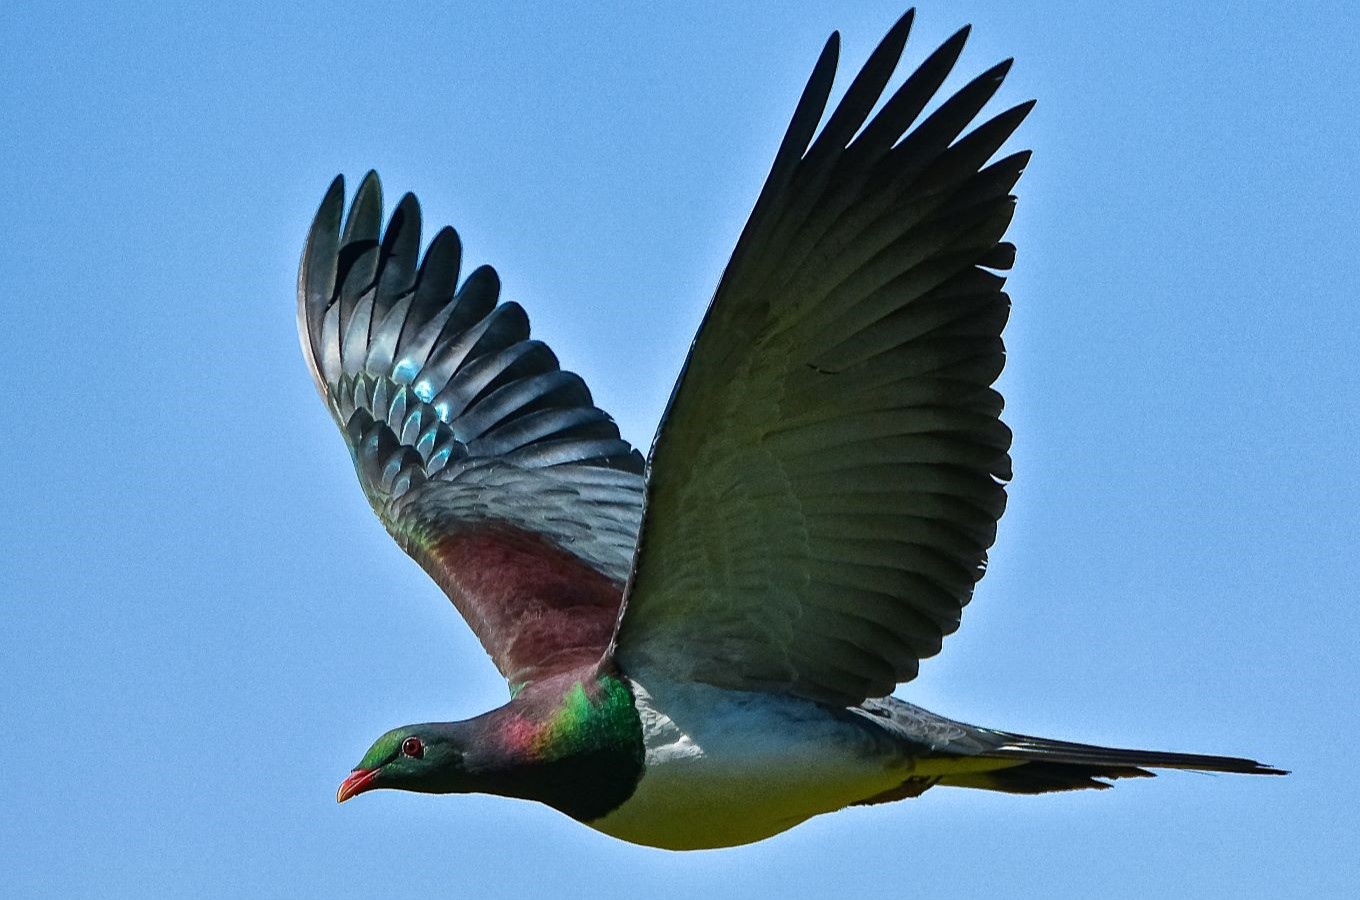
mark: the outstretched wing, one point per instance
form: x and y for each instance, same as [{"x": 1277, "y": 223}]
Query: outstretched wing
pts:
[
  {"x": 829, "y": 474},
  {"x": 486, "y": 462}
]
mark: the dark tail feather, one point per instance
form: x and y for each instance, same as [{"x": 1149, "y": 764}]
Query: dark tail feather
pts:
[{"x": 1047, "y": 765}]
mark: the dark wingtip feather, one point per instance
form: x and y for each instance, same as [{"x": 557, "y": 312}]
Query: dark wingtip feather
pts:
[
  {"x": 864, "y": 90},
  {"x": 997, "y": 72},
  {"x": 942, "y": 126},
  {"x": 482, "y": 288},
  {"x": 365, "y": 211},
  {"x": 812, "y": 104},
  {"x": 400, "y": 254},
  {"x": 807, "y": 114},
  {"x": 408, "y": 207},
  {"x": 436, "y": 282},
  {"x": 1017, "y": 114},
  {"x": 951, "y": 48},
  {"x": 912, "y": 96},
  {"x": 370, "y": 184},
  {"x": 797, "y": 137},
  {"x": 358, "y": 267},
  {"x": 317, "y": 274}
]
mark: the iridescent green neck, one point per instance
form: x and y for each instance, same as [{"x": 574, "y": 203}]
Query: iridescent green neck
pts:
[
  {"x": 574, "y": 743},
  {"x": 587, "y": 721}
]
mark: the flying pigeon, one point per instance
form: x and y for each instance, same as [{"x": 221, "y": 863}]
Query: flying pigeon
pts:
[{"x": 701, "y": 646}]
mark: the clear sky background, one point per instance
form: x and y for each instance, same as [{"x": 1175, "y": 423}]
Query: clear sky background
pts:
[{"x": 204, "y": 627}]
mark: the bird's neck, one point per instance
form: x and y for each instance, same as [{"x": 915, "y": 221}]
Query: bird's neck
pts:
[{"x": 573, "y": 742}]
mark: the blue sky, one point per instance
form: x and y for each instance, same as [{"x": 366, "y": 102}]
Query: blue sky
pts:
[{"x": 204, "y": 627}]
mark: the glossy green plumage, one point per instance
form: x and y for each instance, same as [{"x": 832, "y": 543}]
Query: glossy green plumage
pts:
[
  {"x": 573, "y": 742},
  {"x": 384, "y": 749},
  {"x": 602, "y": 718}
]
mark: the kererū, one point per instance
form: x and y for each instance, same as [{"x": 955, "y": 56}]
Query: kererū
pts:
[{"x": 701, "y": 645}]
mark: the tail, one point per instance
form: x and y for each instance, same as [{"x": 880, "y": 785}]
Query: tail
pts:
[
  {"x": 1039, "y": 765},
  {"x": 958, "y": 755}
]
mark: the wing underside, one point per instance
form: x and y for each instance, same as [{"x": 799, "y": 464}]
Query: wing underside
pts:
[{"x": 830, "y": 471}]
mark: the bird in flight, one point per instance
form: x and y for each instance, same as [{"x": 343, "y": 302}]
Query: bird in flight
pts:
[{"x": 701, "y": 646}]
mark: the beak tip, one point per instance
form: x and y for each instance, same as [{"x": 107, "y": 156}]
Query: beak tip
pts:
[{"x": 358, "y": 781}]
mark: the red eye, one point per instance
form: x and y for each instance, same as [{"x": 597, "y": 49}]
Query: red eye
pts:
[{"x": 413, "y": 748}]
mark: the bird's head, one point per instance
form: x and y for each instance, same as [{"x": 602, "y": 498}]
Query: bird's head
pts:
[{"x": 426, "y": 758}]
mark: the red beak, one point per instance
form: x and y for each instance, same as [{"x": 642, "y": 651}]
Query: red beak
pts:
[{"x": 358, "y": 781}]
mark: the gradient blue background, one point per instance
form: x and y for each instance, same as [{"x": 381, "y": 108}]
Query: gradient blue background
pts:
[{"x": 203, "y": 625}]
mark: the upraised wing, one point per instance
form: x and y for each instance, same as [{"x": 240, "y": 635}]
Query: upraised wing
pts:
[
  {"x": 485, "y": 461},
  {"x": 829, "y": 474}
]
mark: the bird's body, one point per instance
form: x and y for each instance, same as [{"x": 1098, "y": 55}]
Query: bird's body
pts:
[
  {"x": 700, "y": 646},
  {"x": 730, "y": 767},
  {"x": 683, "y": 765}
]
